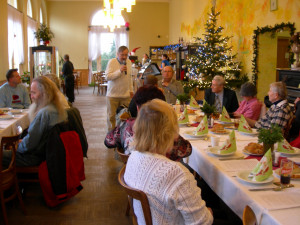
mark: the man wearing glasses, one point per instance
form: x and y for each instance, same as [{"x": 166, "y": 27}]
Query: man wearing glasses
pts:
[
  {"x": 119, "y": 86},
  {"x": 170, "y": 86}
]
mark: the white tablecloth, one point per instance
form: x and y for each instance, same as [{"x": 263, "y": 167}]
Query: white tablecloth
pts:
[
  {"x": 8, "y": 127},
  {"x": 234, "y": 192}
]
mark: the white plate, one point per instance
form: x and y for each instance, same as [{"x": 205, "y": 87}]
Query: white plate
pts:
[
  {"x": 297, "y": 152},
  {"x": 16, "y": 111},
  {"x": 226, "y": 132},
  {"x": 5, "y": 109},
  {"x": 249, "y": 153},
  {"x": 223, "y": 122},
  {"x": 191, "y": 134},
  {"x": 215, "y": 151},
  {"x": 183, "y": 124},
  {"x": 277, "y": 174},
  {"x": 6, "y": 117},
  {"x": 243, "y": 176},
  {"x": 254, "y": 133}
]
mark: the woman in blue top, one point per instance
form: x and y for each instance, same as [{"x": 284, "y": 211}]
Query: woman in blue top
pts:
[{"x": 165, "y": 61}]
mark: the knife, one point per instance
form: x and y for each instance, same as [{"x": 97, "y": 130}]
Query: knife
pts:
[
  {"x": 262, "y": 189},
  {"x": 231, "y": 158}
]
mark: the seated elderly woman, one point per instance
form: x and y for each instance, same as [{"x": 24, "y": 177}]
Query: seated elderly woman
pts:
[
  {"x": 279, "y": 113},
  {"x": 250, "y": 107},
  {"x": 173, "y": 195},
  {"x": 122, "y": 136}
]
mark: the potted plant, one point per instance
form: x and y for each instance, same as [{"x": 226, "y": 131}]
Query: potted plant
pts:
[
  {"x": 269, "y": 136},
  {"x": 183, "y": 98},
  {"x": 44, "y": 34},
  {"x": 209, "y": 111},
  {"x": 26, "y": 78}
]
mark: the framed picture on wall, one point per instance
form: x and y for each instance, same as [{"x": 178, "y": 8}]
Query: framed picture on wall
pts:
[{"x": 273, "y": 5}]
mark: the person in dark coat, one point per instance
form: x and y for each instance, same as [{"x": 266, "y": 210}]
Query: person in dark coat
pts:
[
  {"x": 219, "y": 96},
  {"x": 67, "y": 72}
]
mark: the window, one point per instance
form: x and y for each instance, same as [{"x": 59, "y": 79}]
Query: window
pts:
[
  {"x": 41, "y": 16},
  {"x": 103, "y": 43},
  {"x": 29, "y": 8},
  {"x": 13, "y": 3}
]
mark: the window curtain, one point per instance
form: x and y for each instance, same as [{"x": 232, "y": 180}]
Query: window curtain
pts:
[
  {"x": 31, "y": 28},
  {"x": 15, "y": 36},
  {"x": 95, "y": 32}
]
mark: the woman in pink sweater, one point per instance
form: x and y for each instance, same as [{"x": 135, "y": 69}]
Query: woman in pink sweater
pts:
[{"x": 250, "y": 107}]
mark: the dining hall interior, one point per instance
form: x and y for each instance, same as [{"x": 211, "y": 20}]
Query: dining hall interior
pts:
[{"x": 262, "y": 44}]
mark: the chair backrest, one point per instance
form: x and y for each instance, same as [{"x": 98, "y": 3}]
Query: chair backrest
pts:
[
  {"x": 249, "y": 217},
  {"x": 123, "y": 156},
  {"x": 263, "y": 110},
  {"x": 286, "y": 130},
  {"x": 9, "y": 143},
  {"x": 138, "y": 195}
]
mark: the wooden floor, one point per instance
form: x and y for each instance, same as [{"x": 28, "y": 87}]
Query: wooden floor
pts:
[{"x": 102, "y": 201}]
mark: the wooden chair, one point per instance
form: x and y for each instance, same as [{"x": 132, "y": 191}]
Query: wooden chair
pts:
[
  {"x": 28, "y": 174},
  {"x": 8, "y": 177},
  {"x": 97, "y": 80},
  {"x": 138, "y": 195},
  {"x": 249, "y": 217},
  {"x": 122, "y": 156},
  {"x": 286, "y": 130},
  {"x": 103, "y": 83}
]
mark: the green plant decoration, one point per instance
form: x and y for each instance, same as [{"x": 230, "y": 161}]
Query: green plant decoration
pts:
[
  {"x": 44, "y": 33},
  {"x": 271, "y": 135},
  {"x": 25, "y": 77},
  {"x": 183, "y": 98},
  {"x": 208, "y": 109}
]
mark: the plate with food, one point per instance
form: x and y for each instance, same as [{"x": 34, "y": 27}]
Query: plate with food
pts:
[
  {"x": 6, "y": 117},
  {"x": 244, "y": 176},
  {"x": 193, "y": 135},
  {"x": 254, "y": 149},
  {"x": 253, "y": 133},
  {"x": 219, "y": 129},
  {"x": 216, "y": 151},
  {"x": 296, "y": 152},
  {"x": 16, "y": 111}
]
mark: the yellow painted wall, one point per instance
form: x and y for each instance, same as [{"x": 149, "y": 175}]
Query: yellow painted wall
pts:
[
  {"x": 239, "y": 19},
  {"x": 69, "y": 22},
  {"x": 3, "y": 40}
]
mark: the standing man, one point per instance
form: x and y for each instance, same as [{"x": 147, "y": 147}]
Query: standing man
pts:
[
  {"x": 67, "y": 72},
  {"x": 119, "y": 88},
  {"x": 170, "y": 86},
  {"x": 219, "y": 96},
  {"x": 14, "y": 94}
]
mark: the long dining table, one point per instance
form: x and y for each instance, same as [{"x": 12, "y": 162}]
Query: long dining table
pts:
[
  {"x": 270, "y": 207},
  {"x": 8, "y": 126}
]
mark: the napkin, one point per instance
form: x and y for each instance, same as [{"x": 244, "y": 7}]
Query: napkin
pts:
[
  {"x": 184, "y": 117},
  {"x": 229, "y": 145},
  {"x": 284, "y": 146},
  {"x": 202, "y": 127},
  {"x": 244, "y": 126},
  {"x": 193, "y": 102},
  {"x": 204, "y": 102},
  {"x": 225, "y": 116},
  {"x": 263, "y": 169},
  {"x": 177, "y": 102}
]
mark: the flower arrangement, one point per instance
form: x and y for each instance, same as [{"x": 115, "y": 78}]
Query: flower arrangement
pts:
[
  {"x": 183, "y": 98},
  {"x": 208, "y": 109},
  {"x": 25, "y": 78},
  {"x": 44, "y": 34}
]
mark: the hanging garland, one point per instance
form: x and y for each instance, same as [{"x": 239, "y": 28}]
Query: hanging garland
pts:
[{"x": 273, "y": 30}]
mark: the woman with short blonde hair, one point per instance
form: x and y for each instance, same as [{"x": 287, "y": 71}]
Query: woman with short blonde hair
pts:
[
  {"x": 171, "y": 189},
  {"x": 156, "y": 137}
]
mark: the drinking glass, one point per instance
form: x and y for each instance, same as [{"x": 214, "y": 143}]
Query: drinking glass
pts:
[{"x": 286, "y": 169}]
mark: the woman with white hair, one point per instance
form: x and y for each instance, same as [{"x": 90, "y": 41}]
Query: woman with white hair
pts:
[{"x": 173, "y": 195}]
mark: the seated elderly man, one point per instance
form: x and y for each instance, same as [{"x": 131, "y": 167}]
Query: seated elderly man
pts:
[
  {"x": 219, "y": 96},
  {"x": 14, "y": 94},
  {"x": 170, "y": 86},
  {"x": 47, "y": 110},
  {"x": 122, "y": 136},
  {"x": 279, "y": 113}
]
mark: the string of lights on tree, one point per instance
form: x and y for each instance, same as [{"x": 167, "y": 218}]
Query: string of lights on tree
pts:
[
  {"x": 213, "y": 57},
  {"x": 273, "y": 31}
]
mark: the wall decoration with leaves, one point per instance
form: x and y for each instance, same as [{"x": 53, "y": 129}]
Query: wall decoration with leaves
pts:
[{"x": 273, "y": 30}]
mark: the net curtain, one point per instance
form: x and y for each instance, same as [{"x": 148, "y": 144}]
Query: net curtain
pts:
[
  {"x": 95, "y": 32},
  {"x": 15, "y": 36}
]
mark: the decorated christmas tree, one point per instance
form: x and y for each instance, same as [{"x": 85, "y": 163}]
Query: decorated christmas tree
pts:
[{"x": 213, "y": 57}]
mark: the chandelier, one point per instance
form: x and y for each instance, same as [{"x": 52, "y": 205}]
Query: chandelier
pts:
[{"x": 112, "y": 12}]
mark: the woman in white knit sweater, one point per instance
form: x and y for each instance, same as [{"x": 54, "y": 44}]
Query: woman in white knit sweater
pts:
[{"x": 171, "y": 189}]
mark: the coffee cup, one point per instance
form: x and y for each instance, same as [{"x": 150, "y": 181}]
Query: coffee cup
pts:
[{"x": 215, "y": 141}]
